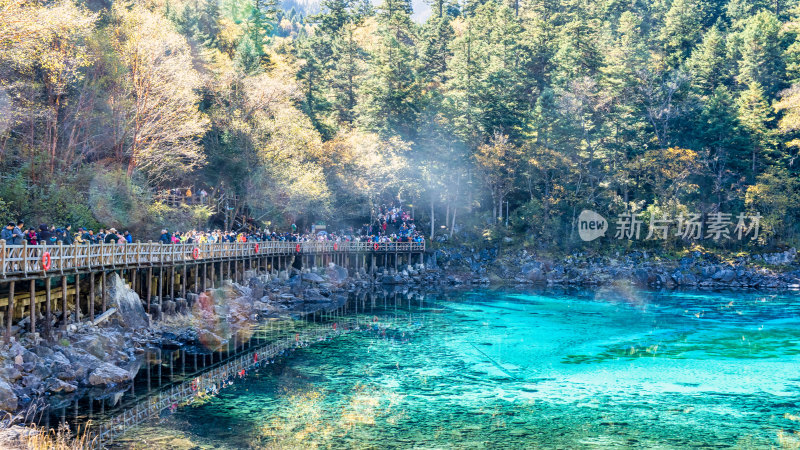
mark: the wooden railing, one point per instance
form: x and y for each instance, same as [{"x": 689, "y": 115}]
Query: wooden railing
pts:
[{"x": 32, "y": 260}]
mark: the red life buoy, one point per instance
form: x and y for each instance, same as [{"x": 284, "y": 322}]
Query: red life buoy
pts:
[
  {"x": 297, "y": 247},
  {"x": 196, "y": 253},
  {"x": 335, "y": 246},
  {"x": 376, "y": 246},
  {"x": 256, "y": 247},
  {"x": 335, "y": 325},
  {"x": 46, "y": 261}
]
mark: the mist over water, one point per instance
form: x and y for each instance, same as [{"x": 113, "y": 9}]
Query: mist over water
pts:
[{"x": 523, "y": 369}]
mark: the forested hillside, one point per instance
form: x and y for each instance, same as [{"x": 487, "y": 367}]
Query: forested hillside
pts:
[{"x": 544, "y": 108}]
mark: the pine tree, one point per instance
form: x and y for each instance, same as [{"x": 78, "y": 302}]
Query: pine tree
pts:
[
  {"x": 392, "y": 94},
  {"x": 759, "y": 47},
  {"x": 726, "y": 147},
  {"x": 248, "y": 58},
  {"x": 346, "y": 74},
  {"x": 755, "y": 115},
  {"x": 708, "y": 66},
  {"x": 437, "y": 35},
  {"x": 208, "y": 23},
  {"x": 313, "y": 53},
  {"x": 682, "y": 29},
  {"x": 578, "y": 54}
]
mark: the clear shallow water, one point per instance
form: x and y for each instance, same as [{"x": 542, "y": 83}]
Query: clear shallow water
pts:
[{"x": 510, "y": 369}]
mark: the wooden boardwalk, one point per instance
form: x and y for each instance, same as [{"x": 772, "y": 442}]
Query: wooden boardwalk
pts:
[
  {"x": 159, "y": 273},
  {"x": 20, "y": 262}
]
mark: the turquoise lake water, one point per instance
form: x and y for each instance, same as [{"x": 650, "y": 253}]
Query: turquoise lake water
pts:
[{"x": 523, "y": 369}]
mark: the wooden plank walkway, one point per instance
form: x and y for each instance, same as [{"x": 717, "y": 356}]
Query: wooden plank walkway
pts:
[
  {"x": 30, "y": 274},
  {"x": 23, "y": 262}
]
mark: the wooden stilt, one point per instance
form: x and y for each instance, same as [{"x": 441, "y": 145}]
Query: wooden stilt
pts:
[
  {"x": 64, "y": 312},
  {"x": 10, "y": 311},
  {"x": 183, "y": 282},
  {"x": 47, "y": 307},
  {"x": 77, "y": 298},
  {"x": 149, "y": 287},
  {"x": 172, "y": 284},
  {"x": 91, "y": 296},
  {"x": 33, "y": 311},
  {"x": 104, "y": 287},
  {"x": 160, "y": 292}
]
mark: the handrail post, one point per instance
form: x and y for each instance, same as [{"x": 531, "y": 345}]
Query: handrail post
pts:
[
  {"x": 25, "y": 257},
  {"x": 61, "y": 257},
  {"x": 3, "y": 258}
]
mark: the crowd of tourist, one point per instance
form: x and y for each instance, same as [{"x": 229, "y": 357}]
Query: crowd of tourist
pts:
[
  {"x": 17, "y": 234},
  {"x": 391, "y": 224}
]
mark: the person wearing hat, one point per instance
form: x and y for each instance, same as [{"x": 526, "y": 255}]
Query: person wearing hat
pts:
[
  {"x": 67, "y": 235},
  {"x": 44, "y": 234},
  {"x": 87, "y": 236},
  {"x": 111, "y": 236}
]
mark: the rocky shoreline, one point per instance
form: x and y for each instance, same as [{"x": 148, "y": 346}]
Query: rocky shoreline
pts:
[{"x": 465, "y": 265}]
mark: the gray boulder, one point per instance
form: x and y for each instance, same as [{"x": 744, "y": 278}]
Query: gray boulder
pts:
[
  {"x": 708, "y": 271},
  {"x": 336, "y": 274},
  {"x": 537, "y": 276},
  {"x": 8, "y": 400},
  {"x": 107, "y": 374},
  {"x": 312, "y": 277},
  {"x": 724, "y": 276},
  {"x": 130, "y": 312},
  {"x": 782, "y": 258},
  {"x": 10, "y": 373},
  {"x": 57, "y": 385},
  {"x": 641, "y": 276}
]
